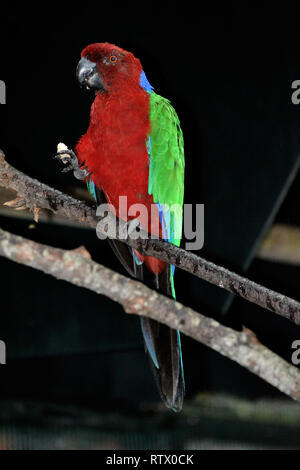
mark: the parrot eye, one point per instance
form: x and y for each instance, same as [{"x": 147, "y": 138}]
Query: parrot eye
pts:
[{"x": 113, "y": 59}]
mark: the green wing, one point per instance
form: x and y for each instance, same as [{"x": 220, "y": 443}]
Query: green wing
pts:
[{"x": 166, "y": 166}]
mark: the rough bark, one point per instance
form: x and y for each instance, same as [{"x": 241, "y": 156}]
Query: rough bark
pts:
[
  {"x": 76, "y": 267},
  {"x": 36, "y": 195}
]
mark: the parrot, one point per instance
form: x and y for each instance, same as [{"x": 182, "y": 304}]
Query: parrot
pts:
[{"x": 134, "y": 147}]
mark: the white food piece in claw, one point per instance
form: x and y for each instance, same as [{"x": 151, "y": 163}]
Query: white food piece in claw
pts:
[
  {"x": 65, "y": 157},
  {"x": 61, "y": 147}
]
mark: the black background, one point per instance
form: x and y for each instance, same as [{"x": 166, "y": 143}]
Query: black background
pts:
[{"x": 229, "y": 77}]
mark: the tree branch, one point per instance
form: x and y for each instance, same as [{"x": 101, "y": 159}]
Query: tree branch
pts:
[
  {"x": 39, "y": 195},
  {"x": 76, "y": 267}
]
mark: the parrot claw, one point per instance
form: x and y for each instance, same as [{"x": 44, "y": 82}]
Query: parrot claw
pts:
[
  {"x": 68, "y": 157},
  {"x": 132, "y": 229},
  {"x": 65, "y": 156}
]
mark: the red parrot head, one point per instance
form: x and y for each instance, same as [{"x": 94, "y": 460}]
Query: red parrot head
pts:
[{"x": 105, "y": 67}]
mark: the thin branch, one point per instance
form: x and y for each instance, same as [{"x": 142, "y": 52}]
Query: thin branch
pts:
[
  {"x": 76, "y": 267},
  {"x": 39, "y": 195}
]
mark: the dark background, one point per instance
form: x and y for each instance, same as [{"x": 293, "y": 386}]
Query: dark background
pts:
[{"x": 229, "y": 78}]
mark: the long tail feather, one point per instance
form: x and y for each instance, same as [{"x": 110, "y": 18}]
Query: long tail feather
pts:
[{"x": 164, "y": 351}]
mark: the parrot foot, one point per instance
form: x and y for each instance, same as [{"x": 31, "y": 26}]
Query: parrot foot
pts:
[
  {"x": 132, "y": 229},
  {"x": 69, "y": 158}
]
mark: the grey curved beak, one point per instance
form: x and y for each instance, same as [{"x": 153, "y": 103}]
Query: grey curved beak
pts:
[{"x": 87, "y": 74}]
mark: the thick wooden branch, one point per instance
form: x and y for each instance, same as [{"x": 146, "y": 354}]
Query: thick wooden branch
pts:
[
  {"x": 39, "y": 195},
  {"x": 76, "y": 267}
]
